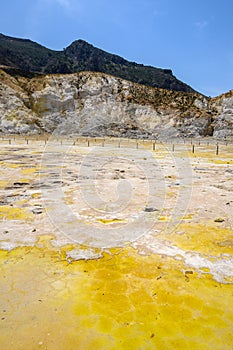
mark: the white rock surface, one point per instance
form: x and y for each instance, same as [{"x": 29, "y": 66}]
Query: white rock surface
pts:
[{"x": 96, "y": 104}]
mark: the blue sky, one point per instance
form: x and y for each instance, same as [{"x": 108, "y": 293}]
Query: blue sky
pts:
[{"x": 193, "y": 38}]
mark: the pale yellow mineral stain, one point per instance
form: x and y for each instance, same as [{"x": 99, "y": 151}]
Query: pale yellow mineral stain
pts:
[
  {"x": 204, "y": 238},
  {"x": 36, "y": 195},
  {"x": 110, "y": 221},
  {"x": 14, "y": 213},
  {"x": 3, "y": 184},
  {"x": 29, "y": 171}
]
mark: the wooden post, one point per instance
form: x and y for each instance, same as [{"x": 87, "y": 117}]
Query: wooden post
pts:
[
  {"x": 88, "y": 143},
  {"x": 173, "y": 147},
  {"x": 153, "y": 147},
  {"x": 217, "y": 149},
  {"x": 193, "y": 149}
]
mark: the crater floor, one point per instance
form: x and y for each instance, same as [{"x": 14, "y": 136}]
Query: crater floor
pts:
[{"x": 115, "y": 244}]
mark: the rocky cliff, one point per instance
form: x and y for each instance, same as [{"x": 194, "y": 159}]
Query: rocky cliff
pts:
[
  {"x": 223, "y": 105},
  {"x": 97, "y": 104}
]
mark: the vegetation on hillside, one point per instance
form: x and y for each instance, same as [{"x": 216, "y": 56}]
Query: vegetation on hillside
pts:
[{"x": 28, "y": 58}]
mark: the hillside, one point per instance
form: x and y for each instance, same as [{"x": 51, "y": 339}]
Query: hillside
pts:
[
  {"x": 26, "y": 58},
  {"x": 96, "y": 104}
]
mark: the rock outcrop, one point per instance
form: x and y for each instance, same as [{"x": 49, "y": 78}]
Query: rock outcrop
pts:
[
  {"x": 97, "y": 104},
  {"x": 223, "y": 104}
]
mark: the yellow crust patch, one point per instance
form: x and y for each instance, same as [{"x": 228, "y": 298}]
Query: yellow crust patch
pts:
[{"x": 121, "y": 301}]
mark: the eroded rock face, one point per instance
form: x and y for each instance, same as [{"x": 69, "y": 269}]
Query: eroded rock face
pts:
[
  {"x": 96, "y": 104},
  {"x": 16, "y": 115},
  {"x": 224, "y": 120}
]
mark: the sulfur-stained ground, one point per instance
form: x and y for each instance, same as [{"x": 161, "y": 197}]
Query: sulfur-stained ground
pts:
[{"x": 115, "y": 245}]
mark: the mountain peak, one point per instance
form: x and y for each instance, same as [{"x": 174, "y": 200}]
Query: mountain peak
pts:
[
  {"x": 80, "y": 42},
  {"x": 30, "y": 57}
]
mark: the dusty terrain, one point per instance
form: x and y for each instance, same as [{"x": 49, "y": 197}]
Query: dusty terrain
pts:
[{"x": 115, "y": 244}]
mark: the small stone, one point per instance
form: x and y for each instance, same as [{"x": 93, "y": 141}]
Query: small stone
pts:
[
  {"x": 37, "y": 211},
  {"x": 219, "y": 220},
  {"x": 19, "y": 184},
  {"x": 150, "y": 209}
]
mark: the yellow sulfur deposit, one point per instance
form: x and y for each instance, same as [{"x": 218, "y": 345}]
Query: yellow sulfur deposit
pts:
[
  {"x": 121, "y": 301},
  {"x": 10, "y": 213}
]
